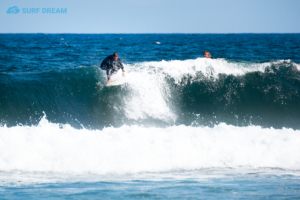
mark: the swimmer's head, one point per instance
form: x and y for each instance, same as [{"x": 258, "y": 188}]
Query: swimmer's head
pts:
[{"x": 206, "y": 54}]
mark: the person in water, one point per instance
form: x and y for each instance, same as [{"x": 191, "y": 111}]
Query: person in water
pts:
[
  {"x": 112, "y": 64},
  {"x": 206, "y": 54}
]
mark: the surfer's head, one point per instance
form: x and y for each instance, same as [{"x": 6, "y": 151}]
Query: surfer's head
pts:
[
  {"x": 206, "y": 54},
  {"x": 115, "y": 56}
]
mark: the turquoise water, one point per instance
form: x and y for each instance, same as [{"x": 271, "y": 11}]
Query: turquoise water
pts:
[
  {"x": 181, "y": 127},
  {"x": 199, "y": 184}
]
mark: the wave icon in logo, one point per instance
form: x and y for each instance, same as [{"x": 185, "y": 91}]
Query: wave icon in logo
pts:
[{"x": 13, "y": 10}]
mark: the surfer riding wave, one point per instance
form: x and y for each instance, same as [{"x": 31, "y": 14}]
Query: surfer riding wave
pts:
[{"x": 112, "y": 64}]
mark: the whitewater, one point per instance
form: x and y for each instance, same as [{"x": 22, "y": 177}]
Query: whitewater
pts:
[{"x": 51, "y": 147}]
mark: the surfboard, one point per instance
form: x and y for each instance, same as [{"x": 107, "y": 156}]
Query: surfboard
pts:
[{"x": 116, "y": 82}]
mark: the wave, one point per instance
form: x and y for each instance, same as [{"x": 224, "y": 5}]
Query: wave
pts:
[
  {"x": 200, "y": 92},
  {"x": 50, "y": 147}
]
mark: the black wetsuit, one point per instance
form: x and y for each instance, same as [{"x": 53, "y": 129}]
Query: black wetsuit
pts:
[{"x": 111, "y": 66}]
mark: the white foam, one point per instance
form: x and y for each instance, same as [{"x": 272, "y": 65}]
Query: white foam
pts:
[
  {"x": 297, "y": 65},
  {"x": 151, "y": 94},
  {"x": 49, "y": 148},
  {"x": 209, "y": 67},
  {"x": 149, "y": 97}
]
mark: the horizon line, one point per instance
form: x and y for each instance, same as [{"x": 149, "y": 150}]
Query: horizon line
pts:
[{"x": 153, "y": 33}]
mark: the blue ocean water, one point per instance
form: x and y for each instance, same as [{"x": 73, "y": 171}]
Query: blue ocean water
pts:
[{"x": 182, "y": 126}]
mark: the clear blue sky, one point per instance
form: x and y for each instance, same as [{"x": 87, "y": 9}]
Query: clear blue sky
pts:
[{"x": 153, "y": 16}]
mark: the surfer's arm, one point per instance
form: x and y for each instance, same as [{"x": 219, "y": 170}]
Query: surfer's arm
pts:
[
  {"x": 122, "y": 67},
  {"x": 123, "y": 70}
]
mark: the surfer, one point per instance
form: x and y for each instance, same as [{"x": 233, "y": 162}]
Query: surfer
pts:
[
  {"x": 206, "y": 54},
  {"x": 112, "y": 64}
]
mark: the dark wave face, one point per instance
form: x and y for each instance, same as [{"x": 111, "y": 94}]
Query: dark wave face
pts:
[
  {"x": 268, "y": 99},
  {"x": 58, "y": 76}
]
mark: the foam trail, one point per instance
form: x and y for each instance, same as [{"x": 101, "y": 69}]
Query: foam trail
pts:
[
  {"x": 51, "y": 148},
  {"x": 209, "y": 67}
]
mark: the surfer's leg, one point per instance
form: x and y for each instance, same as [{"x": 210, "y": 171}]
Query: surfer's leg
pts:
[
  {"x": 112, "y": 72},
  {"x": 109, "y": 74}
]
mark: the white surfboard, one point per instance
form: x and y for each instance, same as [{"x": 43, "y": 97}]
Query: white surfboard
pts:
[{"x": 116, "y": 82}]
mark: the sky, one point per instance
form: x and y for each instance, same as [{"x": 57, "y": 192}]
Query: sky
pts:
[{"x": 150, "y": 16}]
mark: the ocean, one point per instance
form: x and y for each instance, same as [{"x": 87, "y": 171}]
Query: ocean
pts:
[{"x": 181, "y": 127}]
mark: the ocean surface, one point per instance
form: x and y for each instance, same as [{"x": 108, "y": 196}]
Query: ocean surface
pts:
[{"x": 181, "y": 127}]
